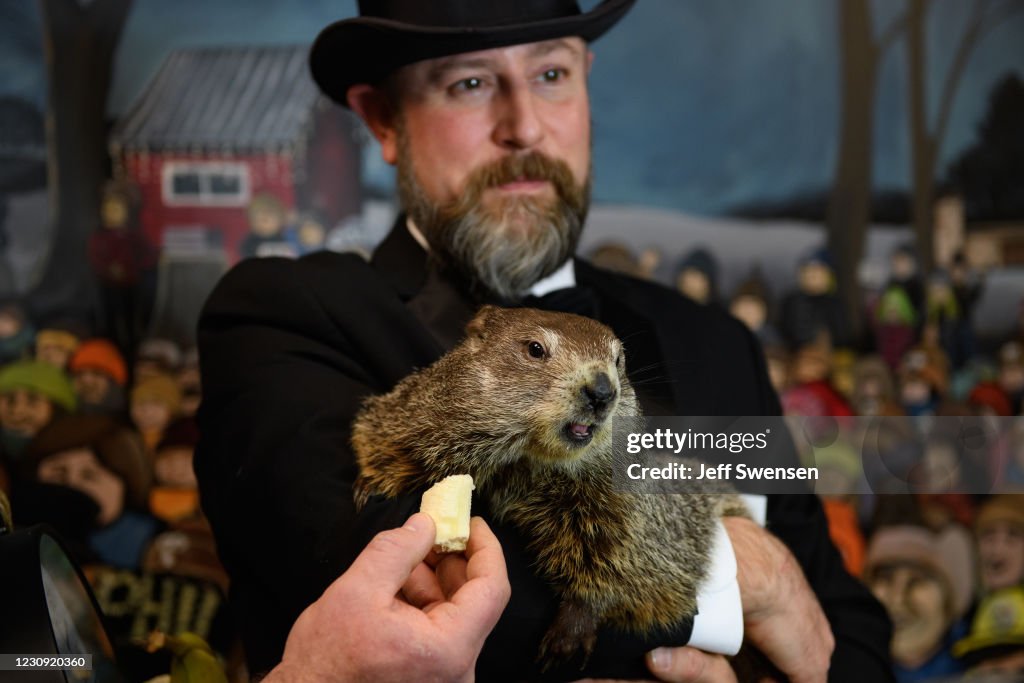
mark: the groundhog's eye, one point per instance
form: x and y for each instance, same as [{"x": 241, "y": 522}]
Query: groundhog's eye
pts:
[
  {"x": 536, "y": 350},
  {"x": 620, "y": 359}
]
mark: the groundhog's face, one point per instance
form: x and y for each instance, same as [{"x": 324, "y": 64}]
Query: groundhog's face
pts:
[{"x": 560, "y": 377}]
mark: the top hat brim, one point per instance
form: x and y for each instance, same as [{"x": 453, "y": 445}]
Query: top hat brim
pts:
[{"x": 368, "y": 49}]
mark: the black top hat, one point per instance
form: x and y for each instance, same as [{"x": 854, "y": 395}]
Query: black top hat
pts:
[{"x": 388, "y": 34}]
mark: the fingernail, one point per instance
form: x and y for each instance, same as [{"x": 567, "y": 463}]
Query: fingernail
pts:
[
  {"x": 411, "y": 523},
  {"x": 661, "y": 659}
]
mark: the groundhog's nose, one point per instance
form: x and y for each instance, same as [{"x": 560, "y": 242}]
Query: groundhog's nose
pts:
[{"x": 599, "y": 392}]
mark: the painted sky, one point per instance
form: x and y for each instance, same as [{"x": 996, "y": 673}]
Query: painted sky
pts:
[{"x": 698, "y": 106}]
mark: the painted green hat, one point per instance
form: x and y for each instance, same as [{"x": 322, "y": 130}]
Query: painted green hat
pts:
[{"x": 41, "y": 378}]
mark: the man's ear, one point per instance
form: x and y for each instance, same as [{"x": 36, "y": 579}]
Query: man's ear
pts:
[{"x": 375, "y": 108}]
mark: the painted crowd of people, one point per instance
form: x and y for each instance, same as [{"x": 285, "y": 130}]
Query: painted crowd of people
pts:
[
  {"x": 101, "y": 450},
  {"x": 932, "y": 522}
]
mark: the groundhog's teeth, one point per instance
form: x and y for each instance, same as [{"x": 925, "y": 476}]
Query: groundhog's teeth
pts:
[{"x": 448, "y": 502}]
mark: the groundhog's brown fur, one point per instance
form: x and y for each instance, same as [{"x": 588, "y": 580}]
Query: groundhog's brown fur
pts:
[{"x": 500, "y": 406}]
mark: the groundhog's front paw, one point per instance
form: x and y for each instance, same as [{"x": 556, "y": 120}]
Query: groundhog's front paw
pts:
[
  {"x": 362, "y": 489},
  {"x": 574, "y": 629}
]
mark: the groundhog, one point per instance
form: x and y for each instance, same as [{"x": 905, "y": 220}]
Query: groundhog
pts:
[{"x": 526, "y": 405}]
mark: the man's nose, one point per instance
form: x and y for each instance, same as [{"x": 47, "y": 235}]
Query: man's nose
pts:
[{"x": 518, "y": 126}]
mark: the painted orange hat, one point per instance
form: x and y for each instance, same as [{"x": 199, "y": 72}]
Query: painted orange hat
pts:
[{"x": 102, "y": 355}]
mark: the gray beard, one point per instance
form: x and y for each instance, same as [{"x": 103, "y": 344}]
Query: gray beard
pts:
[
  {"x": 505, "y": 259},
  {"x": 501, "y": 252}
]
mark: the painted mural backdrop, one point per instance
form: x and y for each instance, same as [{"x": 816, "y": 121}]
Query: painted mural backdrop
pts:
[
  {"x": 842, "y": 112},
  {"x": 847, "y": 176}
]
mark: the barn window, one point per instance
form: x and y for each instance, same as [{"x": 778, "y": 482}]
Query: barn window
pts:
[
  {"x": 186, "y": 185},
  {"x": 200, "y": 183}
]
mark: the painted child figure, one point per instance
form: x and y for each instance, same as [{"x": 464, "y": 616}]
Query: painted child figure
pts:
[
  {"x": 124, "y": 262},
  {"x": 697, "y": 276},
  {"x": 98, "y": 457},
  {"x": 925, "y": 581},
  {"x": 154, "y": 405},
  {"x": 814, "y": 306},
  {"x": 99, "y": 375},
  {"x": 32, "y": 394},
  {"x": 268, "y": 219},
  {"x": 175, "y": 494}
]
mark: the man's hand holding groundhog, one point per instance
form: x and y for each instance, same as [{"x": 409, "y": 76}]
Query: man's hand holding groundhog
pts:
[{"x": 781, "y": 617}]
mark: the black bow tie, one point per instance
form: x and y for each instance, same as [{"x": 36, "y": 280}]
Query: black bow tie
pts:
[{"x": 579, "y": 300}]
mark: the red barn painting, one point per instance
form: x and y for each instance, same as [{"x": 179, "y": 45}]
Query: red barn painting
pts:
[{"x": 218, "y": 126}]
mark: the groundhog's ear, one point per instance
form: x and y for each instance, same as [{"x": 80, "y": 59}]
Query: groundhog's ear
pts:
[{"x": 475, "y": 327}]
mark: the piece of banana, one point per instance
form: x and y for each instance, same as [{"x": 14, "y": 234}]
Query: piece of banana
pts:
[{"x": 448, "y": 502}]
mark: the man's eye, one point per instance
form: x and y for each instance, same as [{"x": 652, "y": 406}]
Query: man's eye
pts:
[
  {"x": 467, "y": 85},
  {"x": 553, "y": 75}
]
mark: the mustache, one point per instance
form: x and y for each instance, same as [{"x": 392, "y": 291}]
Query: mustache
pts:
[{"x": 533, "y": 166}]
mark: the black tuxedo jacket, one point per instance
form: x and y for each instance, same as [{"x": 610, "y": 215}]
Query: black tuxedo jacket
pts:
[{"x": 288, "y": 350}]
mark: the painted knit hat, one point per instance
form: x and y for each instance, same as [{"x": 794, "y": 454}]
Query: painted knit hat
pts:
[
  {"x": 990, "y": 395},
  {"x": 947, "y": 554},
  {"x": 41, "y": 378},
  {"x": 118, "y": 448},
  {"x": 100, "y": 355},
  {"x": 163, "y": 352},
  {"x": 160, "y": 388},
  {"x": 819, "y": 256},
  {"x": 1007, "y": 507},
  {"x": 57, "y": 337},
  {"x": 754, "y": 286}
]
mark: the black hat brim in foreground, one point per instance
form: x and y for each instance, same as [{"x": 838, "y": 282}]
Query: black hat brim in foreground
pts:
[{"x": 367, "y": 49}]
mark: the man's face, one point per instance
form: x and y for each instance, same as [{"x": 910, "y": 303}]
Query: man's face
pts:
[
  {"x": 1001, "y": 555},
  {"x": 493, "y": 156}
]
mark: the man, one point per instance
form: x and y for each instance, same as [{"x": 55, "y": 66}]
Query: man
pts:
[{"x": 483, "y": 108}]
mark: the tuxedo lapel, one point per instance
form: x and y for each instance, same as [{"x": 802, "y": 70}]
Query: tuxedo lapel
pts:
[
  {"x": 439, "y": 304},
  {"x": 442, "y": 308},
  {"x": 401, "y": 261}
]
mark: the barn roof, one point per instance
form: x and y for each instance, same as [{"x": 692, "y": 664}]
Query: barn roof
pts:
[{"x": 223, "y": 99}]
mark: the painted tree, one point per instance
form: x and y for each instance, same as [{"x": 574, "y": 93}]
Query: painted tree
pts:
[
  {"x": 79, "y": 41},
  {"x": 990, "y": 174},
  {"x": 926, "y": 141},
  {"x": 849, "y": 204}
]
